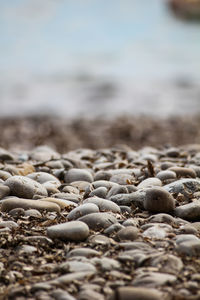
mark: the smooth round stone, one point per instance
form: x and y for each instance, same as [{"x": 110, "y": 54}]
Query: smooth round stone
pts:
[
  {"x": 5, "y": 155},
  {"x": 190, "y": 211},
  {"x": 104, "y": 183},
  {"x": 82, "y": 186},
  {"x": 122, "y": 179},
  {"x": 129, "y": 233},
  {"x": 33, "y": 213},
  {"x": 190, "y": 247},
  {"x": 133, "y": 293},
  {"x": 70, "y": 190},
  {"x": 103, "y": 204},
  {"x": 125, "y": 209},
  {"x": 86, "y": 252},
  {"x": 44, "y": 153},
  {"x": 130, "y": 222},
  {"x": 167, "y": 263},
  {"x": 157, "y": 231},
  {"x": 78, "y": 175},
  {"x": 188, "y": 229},
  {"x": 12, "y": 203},
  {"x": 99, "y": 239},
  {"x": 184, "y": 186},
  {"x": 122, "y": 199},
  {"x": 153, "y": 279},
  {"x": 71, "y": 278},
  {"x": 183, "y": 172},
  {"x": 106, "y": 264},
  {"x": 43, "y": 177},
  {"x": 166, "y": 175},
  {"x": 116, "y": 190},
  {"x": 158, "y": 200},
  {"x": 76, "y": 266},
  {"x": 59, "y": 294},
  {"x": 16, "y": 212},
  {"x": 26, "y": 249},
  {"x": 25, "y": 187},
  {"x": 98, "y": 221},
  {"x": 113, "y": 228},
  {"x": 71, "y": 231},
  {"x": 82, "y": 210},
  {"x": 100, "y": 192},
  {"x": 182, "y": 238},
  {"x": 4, "y": 175},
  {"x": 62, "y": 203},
  {"x": 88, "y": 294},
  {"x": 54, "y": 164},
  {"x": 149, "y": 182},
  {"x": 9, "y": 224},
  {"x": 102, "y": 175},
  {"x": 4, "y": 191},
  {"x": 161, "y": 218},
  {"x": 69, "y": 197}
]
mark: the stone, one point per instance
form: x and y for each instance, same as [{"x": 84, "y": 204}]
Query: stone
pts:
[
  {"x": 59, "y": 294},
  {"x": 25, "y": 187},
  {"x": 133, "y": 293},
  {"x": 129, "y": 233},
  {"x": 153, "y": 279},
  {"x": 161, "y": 218},
  {"x": 62, "y": 203},
  {"x": 158, "y": 200},
  {"x": 78, "y": 175},
  {"x": 4, "y": 175},
  {"x": 88, "y": 294},
  {"x": 69, "y": 231},
  {"x": 122, "y": 179},
  {"x": 33, "y": 213},
  {"x": 157, "y": 231},
  {"x": 4, "y": 191},
  {"x": 190, "y": 211},
  {"x": 100, "y": 192},
  {"x": 183, "y": 172},
  {"x": 166, "y": 175},
  {"x": 184, "y": 186},
  {"x": 76, "y": 266},
  {"x": 189, "y": 248},
  {"x": 44, "y": 153},
  {"x": 5, "y": 155},
  {"x": 82, "y": 210},
  {"x": 167, "y": 263},
  {"x": 8, "y": 224},
  {"x": 113, "y": 228},
  {"x": 149, "y": 182},
  {"x": 86, "y": 252},
  {"x": 98, "y": 221},
  {"x": 70, "y": 278},
  {"x": 103, "y": 204},
  {"x": 12, "y": 203},
  {"x": 43, "y": 177},
  {"x": 106, "y": 264}
]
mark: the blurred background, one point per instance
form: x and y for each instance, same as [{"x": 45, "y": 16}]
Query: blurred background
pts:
[{"x": 83, "y": 63}]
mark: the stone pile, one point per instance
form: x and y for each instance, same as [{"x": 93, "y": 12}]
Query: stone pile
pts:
[{"x": 100, "y": 224}]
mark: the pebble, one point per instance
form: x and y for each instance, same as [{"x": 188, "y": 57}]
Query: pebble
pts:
[
  {"x": 82, "y": 210},
  {"x": 131, "y": 293},
  {"x": 158, "y": 200},
  {"x": 100, "y": 224},
  {"x": 129, "y": 233},
  {"x": 70, "y": 231},
  {"x": 4, "y": 191},
  {"x": 190, "y": 211},
  {"x": 25, "y": 187},
  {"x": 12, "y": 203},
  {"x": 103, "y": 204},
  {"x": 98, "y": 221},
  {"x": 78, "y": 175}
]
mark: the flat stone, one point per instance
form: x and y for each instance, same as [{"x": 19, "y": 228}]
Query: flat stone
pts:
[
  {"x": 82, "y": 210},
  {"x": 4, "y": 191},
  {"x": 98, "y": 221},
  {"x": 78, "y": 175},
  {"x": 153, "y": 279},
  {"x": 158, "y": 200},
  {"x": 5, "y": 155},
  {"x": 113, "y": 228},
  {"x": 100, "y": 192},
  {"x": 8, "y": 224},
  {"x": 184, "y": 186},
  {"x": 190, "y": 248},
  {"x": 59, "y": 294},
  {"x": 190, "y": 211},
  {"x": 44, "y": 153},
  {"x": 76, "y": 266},
  {"x": 106, "y": 264},
  {"x": 88, "y": 294},
  {"x": 167, "y": 263},
  {"x": 33, "y": 213},
  {"x": 43, "y": 177},
  {"x": 12, "y": 203},
  {"x": 183, "y": 172},
  {"x": 133, "y": 293},
  {"x": 86, "y": 252},
  {"x": 161, "y": 218},
  {"x": 166, "y": 175},
  {"x": 25, "y": 187},
  {"x": 69, "y": 278},
  {"x": 129, "y": 233},
  {"x": 103, "y": 204},
  {"x": 62, "y": 203},
  {"x": 122, "y": 179},
  {"x": 158, "y": 231},
  {"x": 149, "y": 182},
  {"x": 70, "y": 231}
]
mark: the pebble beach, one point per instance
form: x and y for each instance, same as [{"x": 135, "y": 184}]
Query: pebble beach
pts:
[{"x": 110, "y": 223}]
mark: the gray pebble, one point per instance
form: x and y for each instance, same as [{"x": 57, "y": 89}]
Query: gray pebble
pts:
[
  {"x": 129, "y": 233},
  {"x": 140, "y": 293},
  {"x": 190, "y": 211},
  {"x": 4, "y": 191},
  {"x": 82, "y": 210},
  {"x": 25, "y": 187},
  {"x": 103, "y": 204},
  {"x": 78, "y": 175},
  {"x": 86, "y": 252},
  {"x": 98, "y": 221},
  {"x": 70, "y": 231}
]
